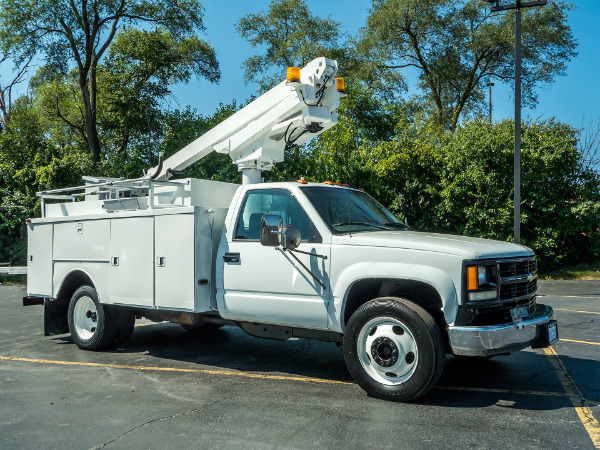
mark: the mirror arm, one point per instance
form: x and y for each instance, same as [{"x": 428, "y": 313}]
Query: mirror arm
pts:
[
  {"x": 308, "y": 253},
  {"x": 306, "y": 268}
]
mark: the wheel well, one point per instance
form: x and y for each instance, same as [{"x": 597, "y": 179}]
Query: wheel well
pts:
[
  {"x": 71, "y": 282},
  {"x": 56, "y": 310},
  {"x": 418, "y": 292}
]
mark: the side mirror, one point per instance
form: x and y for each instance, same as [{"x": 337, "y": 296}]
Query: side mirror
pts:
[
  {"x": 271, "y": 230},
  {"x": 273, "y": 233}
]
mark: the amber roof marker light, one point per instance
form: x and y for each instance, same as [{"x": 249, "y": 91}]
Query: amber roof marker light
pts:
[{"x": 293, "y": 75}]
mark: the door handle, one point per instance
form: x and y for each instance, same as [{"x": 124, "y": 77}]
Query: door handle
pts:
[{"x": 231, "y": 257}]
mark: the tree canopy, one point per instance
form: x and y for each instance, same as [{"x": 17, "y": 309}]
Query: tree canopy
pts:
[
  {"x": 457, "y": 46},
  {"x": 66, "y": 32},
  {"x": 98, "y": 104},
  {"x": 290, "y": 35}
]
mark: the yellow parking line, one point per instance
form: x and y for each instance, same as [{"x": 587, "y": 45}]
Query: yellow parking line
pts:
[
  {"x": 268, "y": 377},
  {"x": 573, "y": 310},
  {"x": 582, "y": 406},
  {"x": 592, "y": 297},
  {"x": 580, "y": 342},
  {"x": 174, "y": 369}
]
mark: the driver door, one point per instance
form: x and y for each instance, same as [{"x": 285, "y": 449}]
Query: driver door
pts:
[{"x": 266, "y": 284}]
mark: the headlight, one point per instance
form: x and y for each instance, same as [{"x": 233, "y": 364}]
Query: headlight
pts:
[
  {"x": 480, "y": 284},
  {"x": 483, "y": 275}
]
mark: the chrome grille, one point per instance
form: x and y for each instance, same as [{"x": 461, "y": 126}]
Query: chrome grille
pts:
[
  {"x": 517, "y": 267},
  {"x": 518, "y": 281},
  {"x": 517, "y": 290},
  {"x": 517, "y": 286}
]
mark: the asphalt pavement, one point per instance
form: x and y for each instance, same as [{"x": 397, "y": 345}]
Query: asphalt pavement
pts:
[{"x": 167, "y": 388}]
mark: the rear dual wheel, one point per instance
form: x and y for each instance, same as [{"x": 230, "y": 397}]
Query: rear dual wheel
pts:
[
  {"x": 95, "y": 326},
  {"x": 394, "y": 349}
]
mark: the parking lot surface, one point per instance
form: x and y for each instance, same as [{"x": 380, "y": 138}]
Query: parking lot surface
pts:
[{"x": 169, "y": 388}]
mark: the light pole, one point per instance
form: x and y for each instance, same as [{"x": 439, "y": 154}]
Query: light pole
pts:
[
  {"x": 517, "y": 6},
  {"x": 490, "y": 84}
]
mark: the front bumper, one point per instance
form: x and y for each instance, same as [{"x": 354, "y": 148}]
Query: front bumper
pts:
[{"x": 497, "y": 339}]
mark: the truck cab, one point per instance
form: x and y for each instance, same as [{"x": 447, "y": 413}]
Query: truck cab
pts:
[{"x": 477, "y": 296}]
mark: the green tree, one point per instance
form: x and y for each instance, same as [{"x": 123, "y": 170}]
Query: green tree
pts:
[
  {"x": 461, "y": 183},
  {"x": 291, "y": 37},
  {"x": 136, "y": 76},
  {"x": 57, "y": 97},
  {"x": 560, "y": 201},
  {"x": 30, "y": 162},
  {"x": 183, "y": 127},
  {"x": 336, "y": 155},
  {"x": 19, "y": 73},
  {"x": 67, "y": 31},
  {"x": 456, "y": 46}
]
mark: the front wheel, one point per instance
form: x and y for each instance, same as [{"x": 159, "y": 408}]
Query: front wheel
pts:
[
  {"x": 93, "y": 326},
  {"x": 393, "y": 349}
]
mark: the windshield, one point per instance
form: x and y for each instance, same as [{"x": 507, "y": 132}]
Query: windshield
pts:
[{"x": 347, "y": 210}]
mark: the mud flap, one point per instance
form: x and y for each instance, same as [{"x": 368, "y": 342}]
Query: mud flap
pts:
[
  {"x": 548, "y": 335},
  {"x": 55, "y": 317}
]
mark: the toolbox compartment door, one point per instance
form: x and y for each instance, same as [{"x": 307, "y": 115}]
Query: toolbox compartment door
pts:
[
  {"x": 39, "y": 259},
  {"x": 131, "y": 267},
  {"x": 174, "y": 261}
]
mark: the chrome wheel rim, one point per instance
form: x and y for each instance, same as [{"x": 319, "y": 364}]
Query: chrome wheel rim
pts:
[
  {"x": 387, "y": 350},
  {"x": 85, "y": 317}
]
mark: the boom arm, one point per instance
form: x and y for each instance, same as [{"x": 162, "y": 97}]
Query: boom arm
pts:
[{"x": 255, "y": 138}]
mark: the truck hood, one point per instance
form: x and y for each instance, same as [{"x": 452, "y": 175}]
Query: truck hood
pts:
[{"x": 467, "y": 247}]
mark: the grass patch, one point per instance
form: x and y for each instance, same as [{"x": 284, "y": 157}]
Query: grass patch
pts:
[
  {"x": 14, "y": 279},
  {"x": 589, "y": 271}
]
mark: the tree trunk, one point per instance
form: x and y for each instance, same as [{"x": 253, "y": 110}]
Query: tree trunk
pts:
[
  {"x": 124, "y": 143},
  {"x": 88, "y": 93},
  {"x": 5, "y": 112},
  {"x": 455, "y": 116}
]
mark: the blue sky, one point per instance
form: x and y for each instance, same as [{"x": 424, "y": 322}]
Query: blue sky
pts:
[{"x": 574, "y": 98}]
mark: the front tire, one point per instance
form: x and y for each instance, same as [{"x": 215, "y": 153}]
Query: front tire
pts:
[
  {"x": 393, "y": 349},
  {"x": 93, "y": 326}
]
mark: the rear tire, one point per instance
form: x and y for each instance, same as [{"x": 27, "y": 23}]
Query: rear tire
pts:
[
  {"x": 93, "y": 326},
  {"x": 394, "y": 349},
  {"x": 126, "y": 321}
]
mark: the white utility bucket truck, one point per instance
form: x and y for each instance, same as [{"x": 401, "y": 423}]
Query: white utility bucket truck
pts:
[{"x": 279, "y": 260}]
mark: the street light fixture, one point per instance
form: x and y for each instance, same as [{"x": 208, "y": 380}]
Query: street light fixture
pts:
[{"x": 517, "y": 6}]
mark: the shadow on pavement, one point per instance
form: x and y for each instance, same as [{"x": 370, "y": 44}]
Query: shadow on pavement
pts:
[{"x": 465, "y": 383}]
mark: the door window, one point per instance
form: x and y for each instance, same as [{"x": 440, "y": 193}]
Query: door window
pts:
[{"x": 273, "y": 201}]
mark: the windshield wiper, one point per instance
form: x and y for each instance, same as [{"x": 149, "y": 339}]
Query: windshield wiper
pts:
[
  {"x": 367, "y": 224},
  {"x": 397, "y": 225}
]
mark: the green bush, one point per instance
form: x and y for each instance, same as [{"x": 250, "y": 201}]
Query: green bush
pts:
[
  {"x": 462, "y": 183},
  {"x": 459, "y": 183}
]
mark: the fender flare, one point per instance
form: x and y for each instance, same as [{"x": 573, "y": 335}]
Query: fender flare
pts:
[
  {"x": 436, "y": 278},
  {"x": 68, "y": 286}
]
